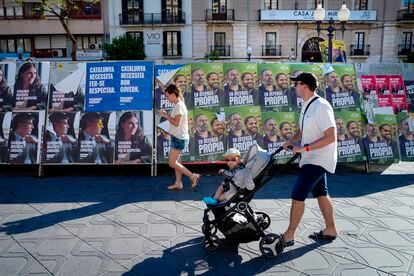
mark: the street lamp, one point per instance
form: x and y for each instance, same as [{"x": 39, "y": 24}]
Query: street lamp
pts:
[
  {"x": 20, "y": 52},
  {"x": 249, "y": 52},
  {"x": 319, "y": 16}
]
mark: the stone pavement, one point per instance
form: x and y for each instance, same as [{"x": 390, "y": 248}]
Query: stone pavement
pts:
[{"x": 134, "y": 226}]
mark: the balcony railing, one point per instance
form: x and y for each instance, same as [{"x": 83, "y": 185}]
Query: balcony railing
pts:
[
  {"x": 359, "y": 50},
  {"x": 171, "y": 50},
  {"x": 151, "y": 18},
  {"x": 212, "y": 15},
  {"x": 406, "y": 14},
  {"x": 271, "y": 50},
  {"x": 221, "y": 50},
  {"x": 405, "y": 50}
]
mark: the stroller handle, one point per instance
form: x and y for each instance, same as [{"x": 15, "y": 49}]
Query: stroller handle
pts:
[{"x": 280, "y": 149}]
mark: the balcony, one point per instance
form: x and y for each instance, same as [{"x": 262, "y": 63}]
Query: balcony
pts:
[
  {"x": 172, "y": 50},
  {"x": 405, "y": 50},
  {"x": 359, "y": 50},
  {"x": 271, "y": 50},
  {"x": 406, "y": 14},
  {"x": 213, "y": 15},
  {"x": 221, "y": 50},
  {"x": 151, "y": 18}
]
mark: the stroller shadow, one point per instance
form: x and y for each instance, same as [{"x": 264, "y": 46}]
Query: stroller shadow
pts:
[{"x": 191, "y": 258}]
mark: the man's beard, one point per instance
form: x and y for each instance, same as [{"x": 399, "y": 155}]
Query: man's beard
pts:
[
  {"x": 203, "y": 128},
  {"x": 272, "y": 132},
  {"x": 237, "y": 126},
  {"x": 234, "y": 82},
  {"x": 199, "y": 82},
  {"x": 341, "y": 131},
  {"x": 356, "y": 134},
  {"x": 183, "y": 88},
  {"x": 288, "y": 136},
  {"x": 268, "y": 82}
]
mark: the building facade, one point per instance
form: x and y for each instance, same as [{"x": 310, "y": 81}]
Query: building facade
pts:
[
  {"x": 164, "y": 26},
  {"x": 22, "y": 28},
  {"x": 284, "y": 30}
]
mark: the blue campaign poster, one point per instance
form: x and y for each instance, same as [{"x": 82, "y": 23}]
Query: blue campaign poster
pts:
[
  {"x": 115, "y": 86},
  {"x": 161, "y": 69}
]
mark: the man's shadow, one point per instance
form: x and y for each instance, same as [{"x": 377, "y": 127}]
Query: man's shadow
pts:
[{"x": 190, "y": 257}]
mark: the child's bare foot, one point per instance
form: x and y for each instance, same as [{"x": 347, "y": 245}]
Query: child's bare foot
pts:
[
  {"x": 194, "y": 180},
  {"x": 175, "y": 186}
]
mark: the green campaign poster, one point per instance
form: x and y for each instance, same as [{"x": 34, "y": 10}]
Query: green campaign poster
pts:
[
  {"x": 207, "y": 85},
  {"x": 274, "y": 86},
  {"x": 380, "y": 140},
  {"x": 406, "y": 135},
  {"x": 278, "y": 127},
  {"x": 209, "y": 140},
  {"x": 340, "y": 87},
  {"x": 349, "y": 125},
  {"x": 240, "y": 87},
  {"x": 242, "y": 125},
  {"x": 182, "y": 79}
]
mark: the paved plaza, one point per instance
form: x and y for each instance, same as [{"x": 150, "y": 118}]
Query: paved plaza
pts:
[{"x": 132, "y": 225}]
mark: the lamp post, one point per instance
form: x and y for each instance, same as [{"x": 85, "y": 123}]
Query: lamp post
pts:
[
  {"x": 319, "y": 16},
  {"x": 20, "y": 52},
  {"x": 249, "y": 52}
]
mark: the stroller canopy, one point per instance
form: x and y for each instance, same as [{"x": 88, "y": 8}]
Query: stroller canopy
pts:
[{"x": 256, "y": 160}]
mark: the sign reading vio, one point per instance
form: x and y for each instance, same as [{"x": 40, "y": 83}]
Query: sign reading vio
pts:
[{"x": 153, "y": 38}]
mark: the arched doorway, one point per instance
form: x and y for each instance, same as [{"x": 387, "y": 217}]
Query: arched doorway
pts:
[{"x": 310, "y": 50}]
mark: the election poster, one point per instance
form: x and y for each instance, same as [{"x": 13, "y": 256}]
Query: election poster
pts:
[
  {"x": 240, "y": 88},
  {"x": 133, "y": 137},
  {"x": 7, "y": 77},
  {"x": 408, "y": 77},
  {"x": 382, "y": 86},
  {"x": 340, "y": 88},
  {"x": 5, "y": 119},
  {"x": 207, "y": 86},
  {"x": 274, "y": 86},
  {"x": 163, "y": 141},
  {"x": 398, "y": 96},
  {"x": 278, "y": 128},
  {"x": 67, "y": 86},
  {"x": 60, "y": 138},
  {"x": 160, "y": 100},
  {"x": 369, "y": 96},
  {"x": 209, "y": 140},
  {"x": 349, "y": 130},
  {"x": 182, "y": 79},
  {"x": 338, "y": 51},
  {"x": 96, "y": 137},
  {"x": 31, "y": 86},
  {"x": 296, "y": 69},
  {"x": 112, "y": 86},
  {"x": 380, "y": 141},
  {"x": 406, "y": 135},
  {"x": 24, "y": 137},
  {"x": 242, "y": 127}
]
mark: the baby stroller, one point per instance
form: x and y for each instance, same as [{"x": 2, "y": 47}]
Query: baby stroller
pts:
[{"x": 236, "y": 219}]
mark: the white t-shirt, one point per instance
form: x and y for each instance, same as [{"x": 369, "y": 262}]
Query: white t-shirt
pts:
[
  {"x": 180, "y": 131},
  {"x": 318, "y": 118}
]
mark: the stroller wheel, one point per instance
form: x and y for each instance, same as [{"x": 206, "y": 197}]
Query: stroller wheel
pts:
[
  {"x": 213, "y": 229},
  {"x": 263, "y": 220},
  {"x": 271, "y": 245},
  {"x": 213, "y": 244}
]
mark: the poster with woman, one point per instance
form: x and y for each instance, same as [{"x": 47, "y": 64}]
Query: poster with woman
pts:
[
  {"x": 274, "y": 84},
  {"x": 240, "y": 88},
  {"x": 207, "y": 86},
  {"x": 278, "y": 127},
  {"x": 349, "y": 127},
  {"x": 60, "y": 139},
  {"x": 133, "y": 137},
  {"x": 96, "y": 137},
  {"x": 67, "y": 86},
  {"x": 30, "y": 87},
  {"x": 24, "y": 139},
  {"x": 7, "y": 75}
]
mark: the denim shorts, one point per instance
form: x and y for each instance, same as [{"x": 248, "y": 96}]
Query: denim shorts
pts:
[
  {"x": 177, "y": 143},
  {"x": 312, "y": 178}
]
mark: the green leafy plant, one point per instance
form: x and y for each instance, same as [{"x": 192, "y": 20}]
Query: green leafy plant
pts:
[
  {"x": 213, "y": 55},
  {"x": 125, "y": 47},
  {"x": 410, "y": 58}
]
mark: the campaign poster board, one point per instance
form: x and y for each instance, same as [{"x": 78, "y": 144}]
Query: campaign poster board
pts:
[
  {"x": 349, "y": 128},
  {"x": 24, "y": 137},
  {"x": 7, "y": 78},
  {"x": 160, "y": 100},
  {"x": 31, "y": 86},
  {"x": 67, "y": 86},
  {"x": 117, "y": 86},
  {"x": 405, "y": 122},
  {"x": 274, "y": 86}
]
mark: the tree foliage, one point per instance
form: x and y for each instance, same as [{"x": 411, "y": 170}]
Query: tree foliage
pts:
[{"x": 125, "y": 47}]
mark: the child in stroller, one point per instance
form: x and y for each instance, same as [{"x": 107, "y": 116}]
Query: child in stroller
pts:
[
  {"x": 236, "y": 219},
  {"x": 236, "y": 177}
]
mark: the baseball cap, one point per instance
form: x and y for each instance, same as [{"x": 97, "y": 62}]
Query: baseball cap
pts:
[
  {"x": 232, "y": 152},
  {"x": 307, "y": 78}
]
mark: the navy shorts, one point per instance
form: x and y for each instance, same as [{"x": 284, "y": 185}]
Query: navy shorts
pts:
[
  {"x": 177, "y": 143},
  {"x": 312, "y": 178}
]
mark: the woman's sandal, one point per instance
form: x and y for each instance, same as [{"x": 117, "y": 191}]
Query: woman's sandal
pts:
[
  {"x": 175, "y": 187},
  {"x": 195, "y": 181}
]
